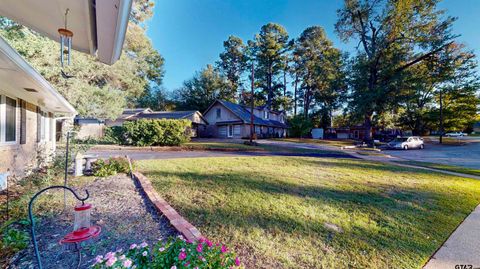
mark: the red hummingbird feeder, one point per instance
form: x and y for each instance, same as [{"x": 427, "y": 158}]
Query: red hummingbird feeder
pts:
[{"x": 82, "y": 228}]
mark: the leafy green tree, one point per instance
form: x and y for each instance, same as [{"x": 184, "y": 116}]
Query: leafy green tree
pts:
[
  {"x": 232, "y": 64},
  {"x": 155, "y": 98},
  {"x": 319, "y": 67},
  {"x": 392, "y": 36},
  {"x": 269, "y": 51},
  {"x": 300, "y": 126},
  {"x": 200, "y": 91}
]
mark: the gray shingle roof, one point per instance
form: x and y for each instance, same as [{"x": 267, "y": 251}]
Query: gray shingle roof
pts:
[
  {"x": 166, "y": 115},
  {"x": 243, "y": 113}
]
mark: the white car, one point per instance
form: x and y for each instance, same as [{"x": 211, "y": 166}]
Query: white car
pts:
[
  {"x": 412, "y": 142},
  {"x": 455, "y": 134}
]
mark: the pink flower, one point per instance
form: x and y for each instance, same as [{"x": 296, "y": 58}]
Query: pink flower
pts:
[
  {"x": 98, "y": 259},
  {"x": 162, "y": 249},
  {"x": 127, "y": 263},
  {"x": 209, "y": 244},
  {"x": 224, "y": 249},
  {"x": 109, "y": 255},
  {"x": 122, "y": 257},
  {"x": 182, "y": 256},
  {"x": 132, "y": 246},
  {"x": 200, "y": 248},
  {"x": 143, "y": 245},
  {"x": 173, "y": 267},
  {"x": 202, "y": 239},
  {"x": 186, "y": 264},
  {"x": 111, "y": 261},
  {"x": 237, "y": 261},
  {"x": 144, "y": 254}
]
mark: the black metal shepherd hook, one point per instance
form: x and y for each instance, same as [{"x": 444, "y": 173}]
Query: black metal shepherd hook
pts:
[{"x": 30, "y": 215}]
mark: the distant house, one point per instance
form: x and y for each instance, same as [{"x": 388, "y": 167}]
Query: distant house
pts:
[
  {"x": 127, "y": 113},
  {"x": 199, "y": 124},
  {"x": 476, "y": 127},
  {"x": 229, "y": 120},
  {"x": 89, "y": 128}
]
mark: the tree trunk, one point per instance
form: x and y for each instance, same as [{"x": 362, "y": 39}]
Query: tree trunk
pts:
[{"x": 368, "y": 127}]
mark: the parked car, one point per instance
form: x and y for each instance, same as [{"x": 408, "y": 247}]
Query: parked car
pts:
[
  {"x": 455, "y": 134},
  {"x": 411, "y": 142}
]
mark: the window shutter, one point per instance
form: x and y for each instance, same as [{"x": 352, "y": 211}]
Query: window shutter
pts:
[
  {"x": 23, "y": 121},
  {"x": 39, "y": 124}
]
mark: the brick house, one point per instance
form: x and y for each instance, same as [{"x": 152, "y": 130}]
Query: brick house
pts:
[
  {"x": 229, "y": 120},
  {"x": 28, "y": 107}
]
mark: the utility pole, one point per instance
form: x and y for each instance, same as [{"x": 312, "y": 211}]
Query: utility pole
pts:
[
  {"x": 441, "y": 117},
  {"x": 251, "y": 105}
]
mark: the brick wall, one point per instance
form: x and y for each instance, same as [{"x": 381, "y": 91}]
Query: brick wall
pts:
[{"x": 18, "y": 157}]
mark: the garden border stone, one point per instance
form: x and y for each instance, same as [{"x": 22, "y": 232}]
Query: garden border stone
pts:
[{"x": 184, "y": 227}]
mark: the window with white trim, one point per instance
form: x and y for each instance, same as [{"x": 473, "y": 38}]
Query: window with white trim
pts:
[{"x": 8, "y": 120}]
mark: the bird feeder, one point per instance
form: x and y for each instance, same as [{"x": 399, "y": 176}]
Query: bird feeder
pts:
[
  {"x": 82, "y": 228},
  {"x": 65, "y": 42}
]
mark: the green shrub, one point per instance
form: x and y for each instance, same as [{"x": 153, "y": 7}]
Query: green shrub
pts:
[
  {"x": 114, "y": 135},
  {"x": 110, "y": 167},
  {"x": 15, "y": 240},
  {"x": 300, "y": 126},
  {"x": 162, "y": 132}
]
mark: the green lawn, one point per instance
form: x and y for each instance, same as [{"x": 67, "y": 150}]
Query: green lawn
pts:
[
  {"x": 298, "y": 212},
  {"x": 446, "y": 167}
]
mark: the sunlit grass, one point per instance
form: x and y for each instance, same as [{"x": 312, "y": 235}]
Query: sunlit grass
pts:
[{"x": 296, "y": 212}]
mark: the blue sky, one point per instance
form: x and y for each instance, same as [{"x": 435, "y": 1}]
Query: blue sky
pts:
[{"x": 189, "y": 33}]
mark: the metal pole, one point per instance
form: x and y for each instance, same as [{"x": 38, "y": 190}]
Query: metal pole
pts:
[
  {"x": 251, "y": 105},
  {"x": 441, "y": 117},
  {"x": 32, "y": 222},
  {"x": 66, "y": 172}
]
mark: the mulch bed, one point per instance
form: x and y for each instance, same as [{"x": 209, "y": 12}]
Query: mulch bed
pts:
[{"x": 123, "y": 214}]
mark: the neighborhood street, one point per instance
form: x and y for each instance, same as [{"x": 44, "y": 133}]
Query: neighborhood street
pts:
[{"x": 467, "y": 155}]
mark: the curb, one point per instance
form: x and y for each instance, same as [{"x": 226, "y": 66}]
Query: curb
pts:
[{"x": 180, "y": 224}]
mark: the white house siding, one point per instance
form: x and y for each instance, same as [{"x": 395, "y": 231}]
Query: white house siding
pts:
[{"x": 30, "y": 146}]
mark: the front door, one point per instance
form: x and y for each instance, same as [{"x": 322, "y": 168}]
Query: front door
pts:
[{"x": 230, "y": 131}]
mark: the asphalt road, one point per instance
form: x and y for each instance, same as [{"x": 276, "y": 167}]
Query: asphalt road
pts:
[
  {"x": 151, "y": 155},
  {"x": 466, "y": 155}
]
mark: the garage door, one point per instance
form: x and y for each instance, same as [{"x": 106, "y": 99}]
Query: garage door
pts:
[{"x": 222, "y": 131}]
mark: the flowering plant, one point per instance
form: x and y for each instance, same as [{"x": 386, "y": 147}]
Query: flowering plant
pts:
[{"x": 175, "y": 253}]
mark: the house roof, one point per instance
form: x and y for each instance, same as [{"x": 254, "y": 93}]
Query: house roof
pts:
[
  {"x": 21, "y": 80},
  {"x": 98, "y": 27},
  {"x": 130, "y": 112},
  {"x": 168, "y": 115},
  {"x": 243, "y": 113}
]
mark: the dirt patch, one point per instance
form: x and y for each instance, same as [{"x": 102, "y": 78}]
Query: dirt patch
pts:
[{"x": 119, "y": 208}]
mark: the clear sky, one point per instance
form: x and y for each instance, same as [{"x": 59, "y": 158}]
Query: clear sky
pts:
[{"x": 189, "y": 34}]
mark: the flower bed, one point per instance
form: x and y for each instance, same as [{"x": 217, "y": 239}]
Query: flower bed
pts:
[{"x": 175, "y": 253}]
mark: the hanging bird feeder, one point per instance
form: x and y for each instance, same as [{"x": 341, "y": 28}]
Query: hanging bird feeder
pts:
[
  {"x": 82, "y": 227},
  {"x": 65, "y": 42}
]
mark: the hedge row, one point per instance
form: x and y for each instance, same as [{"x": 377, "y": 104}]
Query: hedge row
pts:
[{"x": 146, "y": 132}]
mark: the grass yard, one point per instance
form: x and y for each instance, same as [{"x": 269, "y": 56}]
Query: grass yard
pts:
[
  {"x": 298, "y": 212},
  {"x": 446, "y": 167}
]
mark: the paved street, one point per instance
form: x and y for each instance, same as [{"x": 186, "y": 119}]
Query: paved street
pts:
[
  {"x": 150, "y": 155},
  {"x": 467, "y": 155}
]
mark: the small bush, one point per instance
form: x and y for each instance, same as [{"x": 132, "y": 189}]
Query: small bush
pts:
[
  {"x": 110, "y": 167},
  {"x": 15, "y": 240},
  {"x": 176, "y": 253},
  {"x": 115, "y": 135},
  {"x": 162, "y": 132}
]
